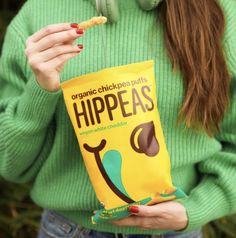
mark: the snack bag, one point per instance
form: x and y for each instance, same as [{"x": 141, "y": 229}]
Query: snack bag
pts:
[{"x": 115, "y": 117}]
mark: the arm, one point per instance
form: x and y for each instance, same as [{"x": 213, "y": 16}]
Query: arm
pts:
[
  {"x": 30, "y": 68},
  {"x": 215, "y": 196},
  {"x": 26, "y": 112}
]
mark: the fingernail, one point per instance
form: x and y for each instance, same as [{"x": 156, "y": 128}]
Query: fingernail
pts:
[
  {"x": 133, "y": 209},
  {"x": 79, "y": 31},
  {"x": 74, "y": 25},
  {"x": 80, "y": 46}
]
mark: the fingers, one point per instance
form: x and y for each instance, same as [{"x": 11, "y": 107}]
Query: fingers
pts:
[
  {"x": 56, "y": 51},
  {"x": 164, "y": 216},
  {"x": 70, "y": 42},
  {"x": 54, "y": 39},
  {"x": 146, "y": 211},
  {"x": 50, "y": 29},
  {"x": 57, "y": 38},
  {"x": 61, "y": 59},
  {"x": 128, "y": 221}
]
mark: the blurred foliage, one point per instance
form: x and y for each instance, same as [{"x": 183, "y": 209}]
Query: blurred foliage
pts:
[
  {"x": 19, "y": 217},
  {"x": 8, "y": 8}
]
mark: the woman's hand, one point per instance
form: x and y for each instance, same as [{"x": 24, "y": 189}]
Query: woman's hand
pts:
[
  {"x": 48, "y": 50},
  {"x": 163, "y": 216}
]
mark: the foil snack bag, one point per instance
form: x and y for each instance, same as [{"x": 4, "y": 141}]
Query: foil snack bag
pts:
[{"x": 115, "y": 117}]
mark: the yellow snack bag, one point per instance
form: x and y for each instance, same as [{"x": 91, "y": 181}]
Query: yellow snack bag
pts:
[{"x": 115, "y": 117}]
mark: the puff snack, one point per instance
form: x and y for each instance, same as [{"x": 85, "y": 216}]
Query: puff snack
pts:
[{"x": 92, "y": 22}]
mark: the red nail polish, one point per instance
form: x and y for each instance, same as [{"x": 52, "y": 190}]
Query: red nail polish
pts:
[
  {"x": 80, "y": 46},
  {"x": 74, "y": 25},
  {"x": 79, "y": 31},
  {"x": 133, "y": 209}
]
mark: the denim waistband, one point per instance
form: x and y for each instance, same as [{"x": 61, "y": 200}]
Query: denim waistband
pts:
[{"x": 55, "y": 225}]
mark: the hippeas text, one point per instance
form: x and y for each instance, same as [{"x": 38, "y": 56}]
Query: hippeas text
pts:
[{"x": 90, "y": 110}]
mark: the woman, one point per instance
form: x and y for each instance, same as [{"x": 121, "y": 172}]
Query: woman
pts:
[{"x": 195, "y": 67}]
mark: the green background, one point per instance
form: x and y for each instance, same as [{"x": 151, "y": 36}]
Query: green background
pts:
[{"x": 19, "y": 217}]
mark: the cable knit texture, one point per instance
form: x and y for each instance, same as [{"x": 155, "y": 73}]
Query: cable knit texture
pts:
[{"x": 37, "y": 141}]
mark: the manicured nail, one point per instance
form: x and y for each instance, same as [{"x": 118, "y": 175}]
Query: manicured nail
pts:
[
  {"x": 74, "y": 25},
  {"x": 133, "y": 209},
  {"x": 79, "y": 31},
  {"x": 80, "y": 46}
]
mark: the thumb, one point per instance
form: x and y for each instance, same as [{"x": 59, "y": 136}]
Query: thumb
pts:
[{"x": 146, "y": 211}]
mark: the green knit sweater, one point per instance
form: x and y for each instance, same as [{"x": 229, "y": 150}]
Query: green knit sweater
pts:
[{"x": 38, "y": 143}]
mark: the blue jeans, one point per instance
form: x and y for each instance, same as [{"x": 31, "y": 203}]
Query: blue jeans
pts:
[{"x": 54, "y": 225}]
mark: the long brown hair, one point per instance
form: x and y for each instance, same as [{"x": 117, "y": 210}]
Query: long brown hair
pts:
[{"x": 193, "y": 32}]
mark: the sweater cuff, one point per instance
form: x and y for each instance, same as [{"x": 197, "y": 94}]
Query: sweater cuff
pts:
[
  {"x": 204, "y": 204},
  {"x": 37, "y": 105}
]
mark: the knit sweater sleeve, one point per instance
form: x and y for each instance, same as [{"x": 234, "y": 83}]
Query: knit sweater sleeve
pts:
[
  {"x": 215, "y": 196},
  {"x": 26, "y": 113}
]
